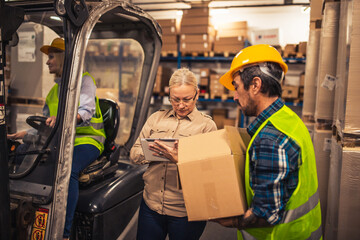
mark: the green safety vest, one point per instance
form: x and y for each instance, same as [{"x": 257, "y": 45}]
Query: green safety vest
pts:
[
  {"x": 93, "y": 134},
  {"x": 302, "y": 217}
]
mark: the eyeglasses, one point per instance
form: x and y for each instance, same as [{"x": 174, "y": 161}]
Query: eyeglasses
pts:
[{"x": 185, "y": 101}]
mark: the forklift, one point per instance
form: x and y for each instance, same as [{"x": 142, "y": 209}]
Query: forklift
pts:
[{"x": 119, "y": 45}]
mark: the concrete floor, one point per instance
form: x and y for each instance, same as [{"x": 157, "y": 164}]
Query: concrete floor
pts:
[{"x": 214, "y": 231}]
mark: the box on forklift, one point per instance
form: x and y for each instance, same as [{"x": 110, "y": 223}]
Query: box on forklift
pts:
[{"x": 211, "y": 168}]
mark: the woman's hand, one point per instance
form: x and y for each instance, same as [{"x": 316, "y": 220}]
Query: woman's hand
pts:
[
  {"x": 162, "y": 150},
  {"x": 51, "y": 121}
]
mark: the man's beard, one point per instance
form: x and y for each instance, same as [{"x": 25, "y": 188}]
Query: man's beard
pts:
[{"x": 250, "y": 109}]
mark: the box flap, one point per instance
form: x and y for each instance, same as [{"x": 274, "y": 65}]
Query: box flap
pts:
[
  {"x": 203, "y": 146},
  {"x": 236, "y": 142},
  {"x": 244, "y": 136}
]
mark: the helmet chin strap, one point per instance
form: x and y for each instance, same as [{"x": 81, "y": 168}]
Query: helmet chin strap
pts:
[{"x": 266, "y": 71}]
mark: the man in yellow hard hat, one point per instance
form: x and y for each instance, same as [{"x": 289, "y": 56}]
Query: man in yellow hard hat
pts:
[{"x": 280, "y": 169}]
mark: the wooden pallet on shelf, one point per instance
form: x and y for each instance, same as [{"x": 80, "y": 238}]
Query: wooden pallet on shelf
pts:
[
  {"x": 222, "y": 54},
  {"x": 195, "y": 54},
  {"x": 223, "y": 97},
  {"x": 169, "y": 53}
]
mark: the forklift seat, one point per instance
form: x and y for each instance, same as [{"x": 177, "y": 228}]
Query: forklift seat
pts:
[{"x": 107, "y": 161}]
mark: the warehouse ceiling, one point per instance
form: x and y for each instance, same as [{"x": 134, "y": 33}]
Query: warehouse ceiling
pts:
[{"x": 165, "y": 5}]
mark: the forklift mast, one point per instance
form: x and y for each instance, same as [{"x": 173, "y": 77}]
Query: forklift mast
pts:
[{"x": 10, "y": 20}]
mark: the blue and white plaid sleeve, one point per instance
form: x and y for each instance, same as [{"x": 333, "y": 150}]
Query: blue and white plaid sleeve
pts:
[{"x": 274, "y": 172}]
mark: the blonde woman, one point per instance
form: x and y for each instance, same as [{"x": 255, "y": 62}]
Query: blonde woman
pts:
[{"x": 162, "y": 211}]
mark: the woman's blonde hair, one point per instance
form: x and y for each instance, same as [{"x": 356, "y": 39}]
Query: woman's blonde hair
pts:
[{"x": 183, "y": 76}]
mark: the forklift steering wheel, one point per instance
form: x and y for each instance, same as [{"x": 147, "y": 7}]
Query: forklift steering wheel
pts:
[{"x": 36, "y": 121}]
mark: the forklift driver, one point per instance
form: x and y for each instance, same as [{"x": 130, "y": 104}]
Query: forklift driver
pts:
[{"x": 90, "y": 134}]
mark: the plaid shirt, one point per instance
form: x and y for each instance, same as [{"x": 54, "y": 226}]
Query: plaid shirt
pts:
[{"x": 274, "y": 165}]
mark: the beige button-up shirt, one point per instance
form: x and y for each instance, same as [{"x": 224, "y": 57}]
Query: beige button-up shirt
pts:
[{"x": 161, "y": 192}]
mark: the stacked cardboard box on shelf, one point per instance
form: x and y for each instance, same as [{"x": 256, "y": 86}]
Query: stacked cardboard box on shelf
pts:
[
  {"x": 162, "y": 80},
  {"x": 216, "y": 88},
  {"x": 230, "y": 37},
  {"x": 169, "y": 36},
  {"x": 293, "y": 85},
  {"x": 196, "y": 31},
  {"x": 204, "y": 83}
]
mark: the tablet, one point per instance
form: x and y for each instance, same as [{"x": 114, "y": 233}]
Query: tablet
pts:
[{"x": 149, "y": 154}]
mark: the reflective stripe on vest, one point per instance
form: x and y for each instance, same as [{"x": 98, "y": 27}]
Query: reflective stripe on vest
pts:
[
  {"x": 302, "y": 215},
  {"x": 314, "y": 235},
  {"x": 94, "y": 132},
  {"x": 97, "y": 138},
  {"x": 292, "y": 214}
]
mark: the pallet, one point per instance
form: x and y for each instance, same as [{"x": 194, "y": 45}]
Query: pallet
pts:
[
  {"x": 308, "y": 118},
  {"x": 26, "y": 100},
  {"x": 350, "y": 140},
  {"x": 223, "y": 97},
  {"x": 289, "y": 54},
  {"x": 324, "y": 124},
  {"x": 169, "y": 53},
  {"x": 222, "y": 54},
  {"x": 196, "y": 54},
  {"x": 300, "y": 55}
]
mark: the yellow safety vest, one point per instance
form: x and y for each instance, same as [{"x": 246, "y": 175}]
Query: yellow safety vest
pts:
[
  {"x": 302, "y": 217},
  {"x": 93, "y": 134}
]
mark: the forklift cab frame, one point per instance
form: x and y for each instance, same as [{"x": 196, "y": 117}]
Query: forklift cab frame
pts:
[{"x": 107, "y": 206}]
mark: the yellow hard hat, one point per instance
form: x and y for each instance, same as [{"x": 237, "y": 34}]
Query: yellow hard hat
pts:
[
  {"x": 57, "y": 44},
  {"x": 250, "y": 55}
]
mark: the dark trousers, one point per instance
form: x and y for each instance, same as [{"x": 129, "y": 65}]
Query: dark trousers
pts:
[
  {"x": 83, "y": 155},
  {"x": 154, "y": 226}
]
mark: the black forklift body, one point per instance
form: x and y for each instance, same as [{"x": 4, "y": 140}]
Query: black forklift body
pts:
[{"x": 119, "y": 45}]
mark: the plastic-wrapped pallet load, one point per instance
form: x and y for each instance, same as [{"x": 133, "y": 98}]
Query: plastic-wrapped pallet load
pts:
[
  {"x": 348, "y": 87},
  {"x": 322, "y": 147},
  {"x": 349, "y": 207},
  {"x": 327, "y": 62},
  {"x": 332, "y": 211},
  {"x": 312, "y": 60}
]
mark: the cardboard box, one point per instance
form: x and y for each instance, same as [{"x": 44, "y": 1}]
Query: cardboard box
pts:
[
  {"x": 169, "y": 30},
  {"x": 198, "y": 29},
  {"x": 167, "y": 22},
  {"x": 169, "y": 47},
  {"x": 290, "y": 91},
  {"x": 302, "y": 48},
  {"x": 316, "y": 11},
  {"x": 206, "y": 72},
  {"x": 190, "y": 21},
  {"x": 230, "y": 48},
  {"x": 204, "y": 81},
  {"x": 195, "y": 47},
  {"x": 162, "y": 79},
  {"x": 196, "y": 38},
  {"x": 211, "y": 168},
  {"x": 169, "y": 39},
  {"x": 196, "y": 12},
  {"x": 232, "y": 32}
]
